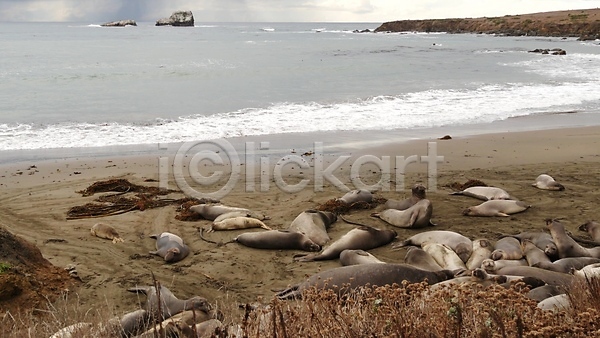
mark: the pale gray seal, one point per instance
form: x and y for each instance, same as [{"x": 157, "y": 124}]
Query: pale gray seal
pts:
[
  {"x": 170, "y": 247},
  {"x": 482, "y": 250},
  {"x": 560, "y": 302},
  {"x": 106, "y": 231},
  {"x": 421, "y": 259},
  {"x": 533, "y": 254},
  {"x": 484, "y": 193},
  {"x": 469, "y": 278},
  {"x": 314, "y": 224},
  {"x": 362, "y": 237},
  {"x": 566, "y": 264},
  {"x": 241, "y": 213},
  {"x": 212, "y": 211},
  {"x": 550, "y": 277},
  {"x": 567, "y": 247},
  {"x": 354, "y": 257},
  {"x": 277, "y": 240},
  {"x": 497, "y": 208},
  {"x": 587, "y": 272},
  {"x": 542, "y": 240},
  {"x": 593, "y": 229},
  {"x": 418, "y": 193},
  {"x": 546, "y": 182},
  {"x": 445, "y": 256},
  {"x": 492, "y": 266},
  {"x": 169, "y": 304},
  {"x": 417, "y": 216},
  {"x": 348, "y": 278},
  {"x": 237, "y": 223},
  {"x": 462, "y": 245},
  {"x": 354, "y": 196},
  {"x": 507, "y": 248}
]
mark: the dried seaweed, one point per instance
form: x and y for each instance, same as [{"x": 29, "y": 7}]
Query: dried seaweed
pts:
[
  {"x": 115, "y": 204},
  {"x": 339, "y": 207},
  {"x": 186, "y": 215},
  {"x": 470, "y": 183}
]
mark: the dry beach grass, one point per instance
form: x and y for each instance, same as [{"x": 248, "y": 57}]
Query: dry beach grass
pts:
[{"x": 34, "y": 206}]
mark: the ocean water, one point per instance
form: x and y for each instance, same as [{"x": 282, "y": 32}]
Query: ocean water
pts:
[{"x": 79, "y": 85}]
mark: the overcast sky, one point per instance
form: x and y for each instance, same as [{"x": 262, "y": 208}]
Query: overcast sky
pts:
[{"x": 98, "y": 11}]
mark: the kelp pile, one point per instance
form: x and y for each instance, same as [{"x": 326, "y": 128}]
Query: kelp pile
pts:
[
  {"x": 339, "y": 207},
  {"x": 462, "y": 186},
  {"x": 144, "y": 197}
]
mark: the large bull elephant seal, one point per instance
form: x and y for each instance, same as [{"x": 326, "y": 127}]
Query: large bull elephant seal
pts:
[
  {"x": 418, "y": 193},
  {"x": 314, "y": 224},
  {"x": 415, "y": 217},
  {"x": 170, "y": 247},
  {"x": 348, "y": 278}
]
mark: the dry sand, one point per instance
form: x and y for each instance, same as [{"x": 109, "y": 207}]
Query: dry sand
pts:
[{"x": 35, "y": 200}]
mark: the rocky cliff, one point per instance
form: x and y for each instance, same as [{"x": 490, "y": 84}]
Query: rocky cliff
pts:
[
  {"x": 121, "y": 23},
  {"x": 179, "y": 18},
  {"x": 584, "y": 24}
]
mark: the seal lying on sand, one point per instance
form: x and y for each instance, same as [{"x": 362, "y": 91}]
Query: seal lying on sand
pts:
[
  {"x": 484, "y": 193},
  {"x": 348, "y": 278},
  {"x": 507, "y": 248},
  {"x": 363, "y": 238},
  {"x": 277, "y": 240},
  {"x": 418, "y": 193},
  {"x": 421, "y": 259},
  {"x": 212, "y": 211},
  {"x": 546, "y": 182},
  {"x": 355, "y": 257},
  {"x": 482, "y": 250},
  {"x": 106, "y": 231},
  {"x": 237, "y": 223},
  {"x": 542, "y": 240},
  {"x": 462, "y": 245},
  {"x": 415, "y": 217},
  {"x": 170, "y": 247},
  {"x": 497, "y": 208},
  {"x": 314, "y": 224},
  {"x": 354, "y": 196}
]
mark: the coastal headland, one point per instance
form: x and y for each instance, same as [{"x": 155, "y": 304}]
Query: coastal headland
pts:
[{"x": 584, "y": 24}]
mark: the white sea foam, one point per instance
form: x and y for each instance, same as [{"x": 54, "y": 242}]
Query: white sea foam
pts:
[{"x": 432, "y": 108}]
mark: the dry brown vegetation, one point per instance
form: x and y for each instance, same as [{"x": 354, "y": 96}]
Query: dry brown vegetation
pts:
[{"x": 407, "y": 310}]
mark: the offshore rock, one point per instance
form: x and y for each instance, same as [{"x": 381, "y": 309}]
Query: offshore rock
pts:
[
  {"x": 121, "y": 23},
  {"x": 179, "y": 18}
]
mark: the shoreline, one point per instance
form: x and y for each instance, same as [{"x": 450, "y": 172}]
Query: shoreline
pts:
[{"x": 335, "y": 142}]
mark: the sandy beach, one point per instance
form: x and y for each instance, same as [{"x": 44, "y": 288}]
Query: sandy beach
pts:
[{"x": 36, "y": 195}]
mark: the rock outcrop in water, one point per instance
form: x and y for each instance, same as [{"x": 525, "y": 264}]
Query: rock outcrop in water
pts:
[
  {"x": 179, "y": 18},
  {"x": 121, "y": 23},
  {"x": 584, "y": 24}
]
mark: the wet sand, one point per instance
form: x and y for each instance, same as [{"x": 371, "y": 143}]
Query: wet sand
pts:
[{"x": 36, "y": 195}]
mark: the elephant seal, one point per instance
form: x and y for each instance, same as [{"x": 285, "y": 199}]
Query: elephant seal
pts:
[
  {"x": 106, "y": 231},
  {"x": 346, "y": 279},
  {"x": 204, "y": 329},
  {"x": 545, "y": 291},
  {"x": 170, "y": 247},
  {"x": 354, "y": 196},
  {"x": 237, "y": 223},
  {"x": 587, "y": 272},
  {"x": 169, "y": 304},
  {"x": 550, "y": 277},
  {"x": 462, "y": 245},
  {"x": 132, "y": 323},
  {"x": 415, "y": 217},
  {"x": 507, "y": 248},
  {"x": 565, "y": 265},
  {"x": 421, "y": 259},
  {"x": 546, "y": 182},
  {"x": 567, "y": 247},
  {"x": 542, "y": 240},
  {"x": 355, "y": 257},
  {"x": 533, "y": 254},
  {"x": 445, "y": 256},
  {"x": 593, "y": 229},
  {"x": 493, "y": 266},
  {"x": 362, "y": 237},
  {"x": 482, "y": 249},
  {"x": 418, "y": 193},
  {"x": 484, "y": 193},
  {"x": 560, "y": 302},
  {"x": 496, "y": 208},
  {"x": 240, "y": 213},
  {"x": 277, "y": 240},
  {"x": 212, "y": 211},
  {"x": 470, "y": 278},
  {"x": 314, "y": 224}
]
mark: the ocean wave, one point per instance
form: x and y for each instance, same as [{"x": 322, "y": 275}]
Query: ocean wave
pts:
[{"x": 424, "y": 109}]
